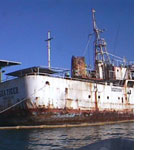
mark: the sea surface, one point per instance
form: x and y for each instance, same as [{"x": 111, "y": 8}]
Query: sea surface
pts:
[{"x": 107, "y": 137}]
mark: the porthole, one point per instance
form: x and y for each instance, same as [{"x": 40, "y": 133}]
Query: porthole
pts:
[{"x": 47, "y": 82}]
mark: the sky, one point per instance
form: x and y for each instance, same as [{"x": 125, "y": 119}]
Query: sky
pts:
[{"x": 24, "y": 25}]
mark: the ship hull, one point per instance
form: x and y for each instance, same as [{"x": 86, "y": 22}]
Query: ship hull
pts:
[
  {"x": 60, "y": 117},
  {"x": 44, "y": 100}
]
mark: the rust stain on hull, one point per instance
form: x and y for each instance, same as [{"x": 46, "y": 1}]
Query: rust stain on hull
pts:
[{"x": 57, "y": 116}]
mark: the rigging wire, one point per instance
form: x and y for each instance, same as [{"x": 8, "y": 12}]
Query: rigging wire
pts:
[
  {"x": 85, "y": 50},
  {"x": 114, "y": 56},
  {"x": 24, "y": 99}
]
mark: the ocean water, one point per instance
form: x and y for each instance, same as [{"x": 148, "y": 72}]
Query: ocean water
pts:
[{"x": 106, "y": 137}]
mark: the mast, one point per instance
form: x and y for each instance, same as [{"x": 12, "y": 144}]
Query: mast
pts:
[
  {"x": 97, "y": 37},
  {"x": 100, "y": 51},
  {"x": 48, "y": 44},
  {"x": 49, "y": 49}
]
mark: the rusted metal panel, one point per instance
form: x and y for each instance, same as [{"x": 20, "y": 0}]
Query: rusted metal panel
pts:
[{"x": 79, "y": 67}]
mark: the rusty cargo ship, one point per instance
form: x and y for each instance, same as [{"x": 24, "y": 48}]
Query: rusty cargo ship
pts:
[{"x": 43, "y": 95}]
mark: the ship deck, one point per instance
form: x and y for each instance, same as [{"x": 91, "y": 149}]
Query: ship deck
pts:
[{"x": 58, "y": 74}]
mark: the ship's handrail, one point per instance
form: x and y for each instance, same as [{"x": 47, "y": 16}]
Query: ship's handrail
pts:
[
  {"x": 78, "y": 79},
  {"x": 103, "y": 82},
  {"x": 70, "y": 78}
]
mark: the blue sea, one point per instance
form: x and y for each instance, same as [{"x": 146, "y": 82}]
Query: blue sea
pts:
[{"x": 107, "y": 137}]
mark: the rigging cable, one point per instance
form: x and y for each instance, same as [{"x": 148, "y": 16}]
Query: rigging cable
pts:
[
  {"x": 87, "y": 48},
  {"x": 24, "y": 99}
]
